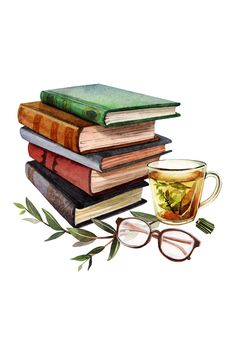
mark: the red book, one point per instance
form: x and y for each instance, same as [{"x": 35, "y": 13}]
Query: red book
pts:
[{"x": 90, "y": 181}]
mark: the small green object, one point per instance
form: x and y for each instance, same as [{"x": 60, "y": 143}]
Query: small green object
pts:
[
  {"x": 55, "y": 236},
  {"x": 81, "y": 258},
  {"x": 96, "y": 250},
  {"x": 81, "y": 234},
  {"x": 114, "y": 248},
  {"x": 52, "y": 221},
  {"x": 80, "y": 267},
  {"x": 18, "y": 205},
  {"x": 32, "y": 220},
  {"x": 204, "y": 225},
  {"x": 90, "y": 263},
  {"x": 104, "y": 226},
  {"x": 81, "y": 244},
  {"x": 32, "y": 209},
  {"x": 144, "y": 216}
]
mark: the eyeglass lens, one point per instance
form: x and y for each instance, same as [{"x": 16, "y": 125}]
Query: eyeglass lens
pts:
[
  {"x": 176, "y": 244},
  {"x": 133, "y": 232}
]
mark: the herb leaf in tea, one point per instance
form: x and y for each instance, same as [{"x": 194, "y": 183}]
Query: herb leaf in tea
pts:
[{"x": 174, "y": 200}]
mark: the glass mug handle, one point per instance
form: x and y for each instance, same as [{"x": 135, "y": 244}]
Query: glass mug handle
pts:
[{"x": 216, "y": 190}]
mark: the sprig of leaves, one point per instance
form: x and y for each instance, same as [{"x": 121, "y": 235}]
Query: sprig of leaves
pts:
[
  {"x": 114, "y": 242},
  {"x": 88, "y": 257},
  {"x": 83, "y": 237}
]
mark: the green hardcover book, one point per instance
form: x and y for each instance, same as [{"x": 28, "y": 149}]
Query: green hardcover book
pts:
[{"x": 109, "y": 106}]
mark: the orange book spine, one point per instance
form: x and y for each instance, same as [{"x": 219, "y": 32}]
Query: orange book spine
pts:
[{"x": 50, "y": 127}]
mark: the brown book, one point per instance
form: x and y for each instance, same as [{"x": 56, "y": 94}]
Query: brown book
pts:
[
  {"x": 132, "y": 157},
  {"x": 77, "y": 134}
]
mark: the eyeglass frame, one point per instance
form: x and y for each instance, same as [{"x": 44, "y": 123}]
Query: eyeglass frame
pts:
[{"x": 157, "y": 235}]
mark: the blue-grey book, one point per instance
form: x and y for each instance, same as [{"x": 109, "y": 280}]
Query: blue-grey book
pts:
[{"x": 103, "y": 161}]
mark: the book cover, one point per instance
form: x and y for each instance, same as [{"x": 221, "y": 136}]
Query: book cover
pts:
[
  {"x": 68, "y": 199},
  {"x": 95, "y": 160},
  {"x": 78, "y": 134},
  {"x": 95, "y": 102}
]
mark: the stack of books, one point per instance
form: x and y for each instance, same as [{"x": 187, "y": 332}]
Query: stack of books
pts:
[{"x": 90, "y": 147}]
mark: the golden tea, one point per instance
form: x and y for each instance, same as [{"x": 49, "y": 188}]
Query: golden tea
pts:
[
  {"x": 176, "y": 187},
  {"x": 177, "y": 200}
]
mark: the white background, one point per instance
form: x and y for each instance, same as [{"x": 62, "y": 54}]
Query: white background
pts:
[{"x": 139, "y": 302}]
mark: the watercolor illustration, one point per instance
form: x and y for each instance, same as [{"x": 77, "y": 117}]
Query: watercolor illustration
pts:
[{"x": 93, "y": 148}]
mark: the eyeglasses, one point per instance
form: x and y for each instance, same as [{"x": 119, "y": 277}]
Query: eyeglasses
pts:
[{"x": 175, "y": 244}]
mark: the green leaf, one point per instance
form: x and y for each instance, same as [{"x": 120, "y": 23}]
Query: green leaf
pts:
[
  {"x": 164, "y": 206},
  {"x": 80, "y": 267},
  {"x": 54, "y": 236},
  {"x": 52, "y": 221},
  {"x": 18, "y": 205},
  {"x": 32, "y": 209},
  {"x": 81, "y": 244},
  {"x": 179, "y": 185},
  {"x": 90, "y": 263},
  {"x": 82, "y": 235},
  {"x": 21, "y": 212},
  {"x": 34, "y": 221},
  {"x": 104, "y": 226},
  {"x": 81, "y": 258},
  {"x": 95, "y": 250},
  {"x": 175, "y": 207},
  {"x": 114, "y": 248},
  {"x": 155, "y": 225},
  {"x": 176, "y": 196},
  {"x": 78, "y": 244},
  {"x": 160, "y": 192},
  {"x": 167, "y": 194},
  {"x": 160, "y": 184},
  {"x": 205, "y": 225},
  {"x": 144, "y": 216}
]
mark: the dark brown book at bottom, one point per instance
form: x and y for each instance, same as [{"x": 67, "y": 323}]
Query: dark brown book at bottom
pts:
[{"x": 78, "y": 207}]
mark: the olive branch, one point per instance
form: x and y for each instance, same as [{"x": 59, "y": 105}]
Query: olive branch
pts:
[{"x": 83, "y": 237}]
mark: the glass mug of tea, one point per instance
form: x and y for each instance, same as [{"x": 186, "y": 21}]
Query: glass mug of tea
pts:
[{"x": 177, "y": 187}]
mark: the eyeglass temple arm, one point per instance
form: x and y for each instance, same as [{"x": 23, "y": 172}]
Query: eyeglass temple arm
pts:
[
  {"x": 166, "y": 240},
  {"x": 177, "y": 246},
  {"x": 170, "y": 238}
]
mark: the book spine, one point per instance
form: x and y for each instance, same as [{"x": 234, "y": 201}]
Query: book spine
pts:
[
  {"x": 78, "y": 175},
  {"x": 93, "y": 113},
  {"x": 58, "y": 131},
  {"x": 54, "y": 196}
]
